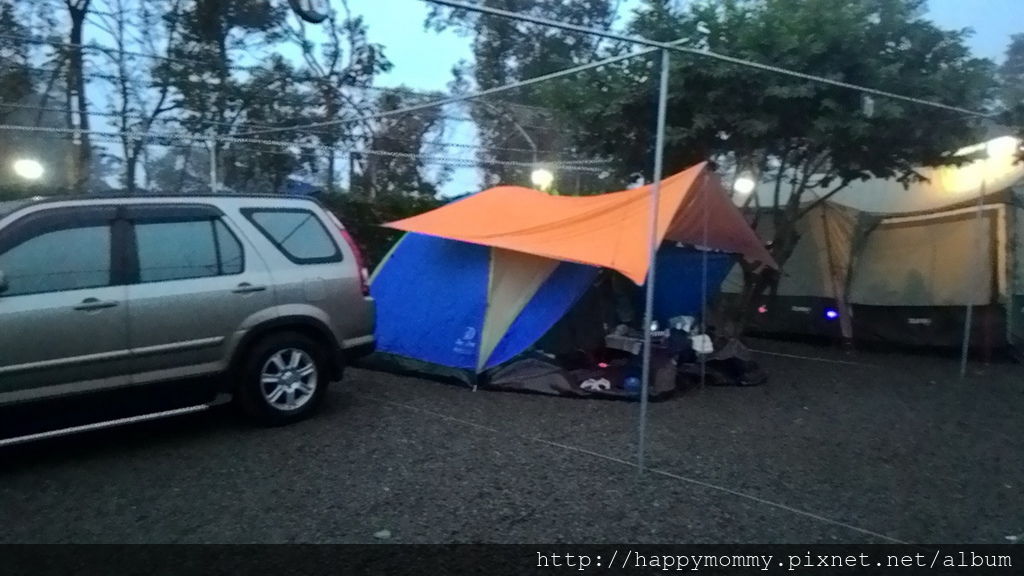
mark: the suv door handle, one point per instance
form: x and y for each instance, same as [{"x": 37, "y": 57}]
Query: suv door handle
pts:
[
  {"x": 95, "y": 304},
  {"x": 246, "y": 288}
]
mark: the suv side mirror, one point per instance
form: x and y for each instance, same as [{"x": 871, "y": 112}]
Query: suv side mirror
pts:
[{"x": 3, "y": 282}]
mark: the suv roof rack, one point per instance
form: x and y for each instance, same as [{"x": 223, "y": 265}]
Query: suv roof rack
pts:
[{"x": 10, "y": 206}]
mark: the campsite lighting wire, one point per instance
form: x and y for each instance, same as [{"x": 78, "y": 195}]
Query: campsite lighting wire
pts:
[
  {"x": 474, "y": 95},
  {"x": 143, "y": 117},
  {"x": 456, "y": 99},
  {"x": 576, "y": 166},
  {"x": 702, "y": 53},
  {"x": 90, "y": 75}
]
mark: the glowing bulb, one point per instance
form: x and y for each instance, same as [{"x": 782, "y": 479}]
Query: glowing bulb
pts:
[
  {"x": 744, "y": 183},
  {"x": 1002, "y": 147},
  {"x": 762, "y": 309},
  {"x": 28, "y": 168},
  {"x": 831, "y": 313},
  {"x": 542, "y": 178}
]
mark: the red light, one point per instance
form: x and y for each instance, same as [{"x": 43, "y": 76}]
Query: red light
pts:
[
  {"x": 602, "y": 364},
  {"x": 762, "y": 309},
  {"x": 364, "y": 275}
]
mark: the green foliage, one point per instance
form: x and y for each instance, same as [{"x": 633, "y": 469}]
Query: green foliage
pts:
[
  {"x": 16, "y": 78},
  {"x": 722, "y": 109},
  {"x": 207, "y": 50},
  {"x": 383, "y": 175},
  {"x": 1011, "y": 74},
  {"x": 1011, "y": 77},
  {"x": 364, "y": 218},
  {"x": 217, "y": 99}
]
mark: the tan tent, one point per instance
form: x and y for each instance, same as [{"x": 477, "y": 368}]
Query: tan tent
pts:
[{"x": 888, "y": 264}]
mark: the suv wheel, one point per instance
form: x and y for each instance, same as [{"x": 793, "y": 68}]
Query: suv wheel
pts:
[{"x": 283, "y": 380}]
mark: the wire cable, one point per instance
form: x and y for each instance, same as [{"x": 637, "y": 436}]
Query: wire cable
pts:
[
  {"x": 475, "y": 95},
  {"x": 702, "y": 53},
  {"x": 570, "y": 165}
]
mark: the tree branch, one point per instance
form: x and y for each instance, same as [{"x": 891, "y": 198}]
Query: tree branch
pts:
[{"x": 827, "y": 195}]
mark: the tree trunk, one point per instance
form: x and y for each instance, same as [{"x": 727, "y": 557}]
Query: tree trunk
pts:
[
  {"x": 77, "y": 97},
  {"x": 330, "y": 170},
  {"x": 332, "y": 139},
  {"x": 131, "y": 163},
  {"x": 756, "y": 283}
]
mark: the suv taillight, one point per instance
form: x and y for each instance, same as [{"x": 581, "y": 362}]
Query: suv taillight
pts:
[{"x": 364, "y": 274}]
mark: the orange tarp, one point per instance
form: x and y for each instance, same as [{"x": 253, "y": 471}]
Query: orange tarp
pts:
[{"x": 610, "y": 230}]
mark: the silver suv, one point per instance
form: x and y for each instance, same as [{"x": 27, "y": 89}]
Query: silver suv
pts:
[{"x": 97, "y": 295}]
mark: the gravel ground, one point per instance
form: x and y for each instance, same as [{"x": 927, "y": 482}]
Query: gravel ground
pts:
[{"x": 861, "y": 448}]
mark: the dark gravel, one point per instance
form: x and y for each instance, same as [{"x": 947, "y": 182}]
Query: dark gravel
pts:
[{"x": 895, "y": 445}]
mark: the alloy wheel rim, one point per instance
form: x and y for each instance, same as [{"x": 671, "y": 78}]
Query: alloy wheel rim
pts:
[{"x": 288, "y": 379}]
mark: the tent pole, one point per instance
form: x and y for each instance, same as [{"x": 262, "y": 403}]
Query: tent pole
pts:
[
  {"x": 213, "y": 163},
  {"x": 980, "y": 244},
  {"x": 704, "y": 285},
  {"x": 659, "y": 157}
]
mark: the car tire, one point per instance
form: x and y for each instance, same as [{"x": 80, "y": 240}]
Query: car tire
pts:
[{"x": 283, "y": 379}]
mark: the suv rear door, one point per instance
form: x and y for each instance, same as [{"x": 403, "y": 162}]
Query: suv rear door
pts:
[
  {"x": 63, "y": 314},
  {"x": 195, "y": 282},
  {"x": 320, "y": 280}
]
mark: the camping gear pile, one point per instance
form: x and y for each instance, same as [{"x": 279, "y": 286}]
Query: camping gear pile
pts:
[{"x": 514, "y": 289}]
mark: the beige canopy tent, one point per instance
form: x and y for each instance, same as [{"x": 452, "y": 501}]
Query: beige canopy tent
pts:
[{"x": 882, "y": 263}]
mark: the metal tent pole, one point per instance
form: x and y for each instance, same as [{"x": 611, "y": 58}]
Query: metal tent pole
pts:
[
  {"x": 659, "y": 156},
  {"x": 213, "y": 164},
  {"x": 969, "y": 317},
  {"x": 704, "y": 283}
]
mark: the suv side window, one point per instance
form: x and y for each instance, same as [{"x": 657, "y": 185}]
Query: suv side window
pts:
[
  {"x": 183, "y": 249},
  {"x": 297, "y": 233},
  {"x": 71, "y": 258}
]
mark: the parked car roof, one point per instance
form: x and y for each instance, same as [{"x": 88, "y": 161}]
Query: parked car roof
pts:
[{"x": 8, "y": 206}]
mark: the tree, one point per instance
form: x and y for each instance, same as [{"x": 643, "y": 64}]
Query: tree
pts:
[
  {"x": 505, "y": 51},
  {"x": 346, "y": 62},
  {"x": 1011, "y": 77},
  {"x": 24, "y": 92},
  {"x": 138, "y": 101},
  {"x": 77, "y": 99},
  {"x": 394, "y": 166},
  {"x": 1011, "y": 74},
  {"x": 16, "y": 78},
  {"x": 810, "y": 140},
  {"x": 264, "y": 168},
  {"x": 180, "y": 170},
  {"x": 213, "y": 36}
]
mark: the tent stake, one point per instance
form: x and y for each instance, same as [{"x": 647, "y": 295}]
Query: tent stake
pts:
[{"x": 659, "y": 156}]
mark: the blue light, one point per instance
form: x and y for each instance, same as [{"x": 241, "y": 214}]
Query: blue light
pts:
[{"x": 831, "y": 313}]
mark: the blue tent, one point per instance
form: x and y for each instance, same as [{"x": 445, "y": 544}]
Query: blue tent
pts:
[
  {"x": 677, "y": 288},
  {"x": 469, "y": 306},
  {"x": 476, "y": 307}
]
